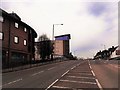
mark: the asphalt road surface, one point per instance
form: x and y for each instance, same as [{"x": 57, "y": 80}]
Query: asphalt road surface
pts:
[{"x": 70, "y": 75}]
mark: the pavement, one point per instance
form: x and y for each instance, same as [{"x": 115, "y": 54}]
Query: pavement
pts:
[
  {"x": 27, "y": 66},
  {"x": 107, "y": 72},
  {"x": 66, "y": 75}
]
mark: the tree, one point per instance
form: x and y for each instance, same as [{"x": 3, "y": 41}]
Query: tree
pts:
[
  {"x": 45, "y": 47},
  {"x": 43, "y": 38}
]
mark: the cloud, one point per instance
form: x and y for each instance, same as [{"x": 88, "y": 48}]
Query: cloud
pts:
[
  {"x": 108, "y": 35},
  {"x": 97, "y": 8},
  {"x": 89, "y": 23}
]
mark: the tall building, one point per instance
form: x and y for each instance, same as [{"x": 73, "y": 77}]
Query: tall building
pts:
[
  {"x": 16, "y": 39},
  {"x": 61, "y": 45}
]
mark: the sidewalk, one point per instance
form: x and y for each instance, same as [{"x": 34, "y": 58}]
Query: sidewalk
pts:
[{"x": 30, "y": 66}]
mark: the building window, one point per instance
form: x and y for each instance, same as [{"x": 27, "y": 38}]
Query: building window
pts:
[
  {"x": 16, "y": 39},
  {"x": 30, "y": 32},
  {"x": 25, "y": 29},
  {"x": 25, "y": 42},
  {"x": 16, "y": 25},
  {"x": 1, "y": 36},
  {"x": 1, "y": 19}
]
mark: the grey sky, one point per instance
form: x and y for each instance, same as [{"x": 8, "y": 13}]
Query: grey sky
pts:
[{"x": 92, "y": 23}]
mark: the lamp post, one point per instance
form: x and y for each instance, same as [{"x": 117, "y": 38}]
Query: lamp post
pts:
[
  {"x": 53, "y": 39},
  {"x": 53, "y": 30}
]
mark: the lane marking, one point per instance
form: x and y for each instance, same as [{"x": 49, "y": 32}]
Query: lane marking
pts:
[
  {"x": 81, "y": 77},
  {"x": 90, "y": 67},
  {"x": 78, "y": 64},
  {"x": 98, "y": 84},
  {"x": 78, "y": 82},
  {"x": 15, "y": 81},
  {"x": 73, "y": 67},
  {"x": 82, "y": 73},
  {"x": 51, "y": 84},
  {"x": 89, "y": 64},
  {"x": 12, "y": 82},
  {"x": 93, "y": 73},
  {"x": 60, "y": 87},
  {"x": 65, "y": 73},
  {"x": 116, "y": 66},
  {"x": 37, "y": 73},
  {"x": 51, "y": 68}
]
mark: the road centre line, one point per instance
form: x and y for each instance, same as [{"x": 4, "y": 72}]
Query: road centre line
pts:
[
  {"x": 90, "y": 67},
  {"x": 73, "y": 67},
  {"x": 81, "y": 77},
  {"x": 15, "y": 81},
  {"x": 51, "y": 68},
  {"x": 37, "y": 73},
  {"x": 99, "y": 85},
  {"x": 93, "y": 73},
  {"x": 51, "y": 84},
  {"x": 65, "y": 73},
  {"x": 77, "y": 82},
  {"x": 12, "y": 82}
]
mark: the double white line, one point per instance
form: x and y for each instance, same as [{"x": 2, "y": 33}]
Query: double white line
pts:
[{"x": 99, "y": 85}]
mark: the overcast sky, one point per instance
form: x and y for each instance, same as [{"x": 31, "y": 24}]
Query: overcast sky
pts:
[{"x": 93, "y": 24}]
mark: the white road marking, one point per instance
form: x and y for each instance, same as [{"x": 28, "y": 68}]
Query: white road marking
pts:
[
  {"x": 93, "y": 73},
  {"x": 73, "y": 67},
  {"x": 89, "y": 64},
  {"x": 37, "y": 73},
  {"x": 81, "y": 77},
  {"x": 65, "y": 73},
  {"x": 51, "y": 84},
  {"x": 82, "y": 73},
  {"x": 60, "y": 87},
  {"x": 78, "y": 64},
  {"x": 51, "y": 68},
  {"x": 77, "y": 82},
  {"x": 114, "y": 65},
  {"x": 12, "y": 82},
  {"x": 98, "y": 84},
  {"x": 90, "y": 67}
]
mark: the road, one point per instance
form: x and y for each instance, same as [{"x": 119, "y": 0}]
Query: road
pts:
[{"x": 71, "y": 74}]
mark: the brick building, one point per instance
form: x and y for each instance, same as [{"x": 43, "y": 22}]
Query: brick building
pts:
[
  {"x": 61, "y": 45},
  {"x": 16, "y": 39}
]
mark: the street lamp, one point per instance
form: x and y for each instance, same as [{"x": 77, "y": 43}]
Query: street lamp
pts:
[
  {"x": 53, "y": 30},
  {"x": 103, "y": 46}
]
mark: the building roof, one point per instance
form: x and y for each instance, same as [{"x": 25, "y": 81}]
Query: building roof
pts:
[
  {"x": 63, "y": 37},
  {"x": 14, "y": 17}
]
